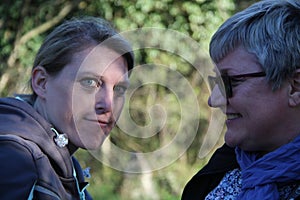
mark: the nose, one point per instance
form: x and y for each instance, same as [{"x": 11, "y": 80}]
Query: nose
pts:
[
  {"x": 216, "y": 98},
  {"x": 104, "y": 99}
]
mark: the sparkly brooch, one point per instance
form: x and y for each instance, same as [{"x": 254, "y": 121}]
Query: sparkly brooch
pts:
[{"x": 60, "y": 140}]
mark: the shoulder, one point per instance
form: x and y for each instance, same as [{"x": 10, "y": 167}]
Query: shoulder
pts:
[
  {"x": 206, "y": 179},
  {"x": 12, "y": 144},
  {"x": 15, "y": 155},
  {"x": 17, "y": 167}
]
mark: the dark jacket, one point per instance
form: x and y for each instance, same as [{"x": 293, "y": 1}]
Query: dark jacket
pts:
[
  {"x": 222, "y": 161},
  {"x": 30, "y": 161},
  {"x": 209, "y": 177}
]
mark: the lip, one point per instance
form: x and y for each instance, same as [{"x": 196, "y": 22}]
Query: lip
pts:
[
  {"x": 233, "y": 116},
  {"x": 105, "y": 125},
  {"x": 103, "y": 121}
]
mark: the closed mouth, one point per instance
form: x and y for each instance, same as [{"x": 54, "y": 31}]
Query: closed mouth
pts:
[
  {"x": 106, "y": 123},
  {"x": 103, "y": 122}
]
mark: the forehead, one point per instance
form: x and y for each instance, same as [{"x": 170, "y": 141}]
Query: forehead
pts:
[
  {"x": 238, "y": 61},
  {"x": 98, "y": 61},
  {"x": 102, "y": 57}
]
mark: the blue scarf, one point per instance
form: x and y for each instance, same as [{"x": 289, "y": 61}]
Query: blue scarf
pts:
[{"x": 260, "y": 174}]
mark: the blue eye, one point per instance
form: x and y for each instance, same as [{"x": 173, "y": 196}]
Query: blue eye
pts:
[
  {"x": 120, "y": 90},
  {"x": 90, "y": 83}
]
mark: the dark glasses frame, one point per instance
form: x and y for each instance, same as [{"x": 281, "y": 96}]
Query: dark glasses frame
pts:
[{"x": 226, "y": 81}]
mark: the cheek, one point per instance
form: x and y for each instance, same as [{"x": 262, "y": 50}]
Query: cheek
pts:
[
  {"x": 254, "y": 95},
  {"x": 118, "y": 106},
  {"x": 83, "y": 103},
  {"x": 83, "y": 100},
  {"x": 262, "y": 111},
  {"x": 83, "y": 109},
  {"x": 61, "y": 107}
]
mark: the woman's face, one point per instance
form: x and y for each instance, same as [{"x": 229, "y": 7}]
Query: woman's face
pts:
[
  {"x": 256, "y": 116},
  {"x": 86, "y": 98}
]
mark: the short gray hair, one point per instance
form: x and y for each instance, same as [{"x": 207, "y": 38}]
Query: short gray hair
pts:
[{"x": 270, "y": 29}]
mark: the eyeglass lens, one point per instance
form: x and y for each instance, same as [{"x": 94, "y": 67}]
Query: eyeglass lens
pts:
[{"x": 225, "y": 80}]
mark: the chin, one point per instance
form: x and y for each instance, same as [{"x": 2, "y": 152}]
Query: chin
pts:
[
  {"x": 230, "y": 141},
  {"x": 93, "y": 144},
  {"x": 231, "y": 145}
]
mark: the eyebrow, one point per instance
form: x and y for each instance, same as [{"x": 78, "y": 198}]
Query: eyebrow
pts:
[
  {"x": 87, "y": 73},
  {"x": 125, "y": 82}
]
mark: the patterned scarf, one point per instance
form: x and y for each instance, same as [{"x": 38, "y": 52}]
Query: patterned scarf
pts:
[{"x": 260, "y": 175}]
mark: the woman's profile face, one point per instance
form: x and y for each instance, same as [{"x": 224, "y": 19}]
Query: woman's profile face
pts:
[
  {"x": 86, "y": 98},
  {"x": 254, "y": 110}
]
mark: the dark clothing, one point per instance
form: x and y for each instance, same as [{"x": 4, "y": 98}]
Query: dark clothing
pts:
[
  {"x": 222, "y": 161},
  {"x": 209, "y": 177},
  {"x": 30, "y": 161}
]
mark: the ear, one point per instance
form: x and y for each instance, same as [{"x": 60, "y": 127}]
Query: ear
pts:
[
  {"x": 39, "y": 78},
  {"x": 294, "y": 90}
]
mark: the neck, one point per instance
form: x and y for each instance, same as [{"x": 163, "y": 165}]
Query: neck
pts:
[
  {"x": 38, "y": 106},
  {"x": 72, "y": 148}
]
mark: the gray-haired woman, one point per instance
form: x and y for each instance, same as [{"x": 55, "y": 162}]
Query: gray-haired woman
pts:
[{"x": 257, "y": 86}]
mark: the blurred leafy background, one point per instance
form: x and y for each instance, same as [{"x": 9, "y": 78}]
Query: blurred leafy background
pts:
[{"x": 24, "y": 24}]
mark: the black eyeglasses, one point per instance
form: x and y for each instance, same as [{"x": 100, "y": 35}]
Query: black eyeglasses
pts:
[{"x": 226, "y": 81}]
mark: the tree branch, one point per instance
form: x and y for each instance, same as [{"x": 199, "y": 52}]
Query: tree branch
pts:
[
  {"x": 11, "y": 62},
  {"x": 38, "y": 30}
]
